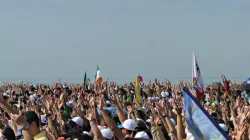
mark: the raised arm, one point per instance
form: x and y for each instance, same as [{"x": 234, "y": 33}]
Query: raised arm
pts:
[{"x": 110, "y": 123}]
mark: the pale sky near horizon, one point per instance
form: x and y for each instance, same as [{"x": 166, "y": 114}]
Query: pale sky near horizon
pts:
[{"x": 50, "y": 39}]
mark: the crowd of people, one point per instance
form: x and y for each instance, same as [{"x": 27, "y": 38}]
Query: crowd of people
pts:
[{"x": 107, "y": 111}]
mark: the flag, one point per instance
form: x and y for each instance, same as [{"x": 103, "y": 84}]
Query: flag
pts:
[
  {"x": 98, "y": 78},
  {"x": 137, "y": 90},
  {"x": 200, "y": 123},
  {"x": 140, "y": 78},
  {"x": 85, "y": 81},
  {"x": 197, "y": 81}
]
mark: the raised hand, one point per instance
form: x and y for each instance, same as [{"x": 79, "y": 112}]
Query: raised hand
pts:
[
  {"x": 177, "y": 110},
  {"x": 101, "y": 104},
  {"x": 90, "y": 115},
  {"x": 240, "y": 130},
  {"x": 160, "y": 108},
  {"x": 18, "y": 119}
]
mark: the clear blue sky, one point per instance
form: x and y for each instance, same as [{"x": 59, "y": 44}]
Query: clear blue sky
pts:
[{"x": 50, "y": 39}]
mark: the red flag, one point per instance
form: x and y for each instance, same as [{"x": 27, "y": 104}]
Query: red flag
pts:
[{"x": 140, "y": 79}]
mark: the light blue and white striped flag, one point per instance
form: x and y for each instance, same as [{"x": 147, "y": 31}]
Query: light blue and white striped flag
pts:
[{"x": 200, "y": 123}]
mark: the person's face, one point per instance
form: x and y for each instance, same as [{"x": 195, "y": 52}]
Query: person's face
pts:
[
  {"x": 31, "y": 127},
  {"x": 73, "y": 114},
  {"x": 124, "y": 131}
]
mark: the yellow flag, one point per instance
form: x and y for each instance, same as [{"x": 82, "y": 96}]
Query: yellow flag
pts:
[{"x": 137, "y": 90}]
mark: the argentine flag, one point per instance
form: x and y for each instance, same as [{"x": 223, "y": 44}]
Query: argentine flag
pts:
[{"x": 200, "y": 124}]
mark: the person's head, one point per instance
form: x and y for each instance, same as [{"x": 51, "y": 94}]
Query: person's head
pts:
[
  {"x": 140, "y": 114},
  {"x": 224, "y": 127},
  {"x": 8, "y": 134},
  {"x": 214, "y": 116},
  {"x": 107, "y": 133},
  {"x": 73, "y": 129},
  {"x": 141, "y": 126},
  {"x": 84, "y": 136},
  {"x": 142, "y": 135},
  {"x": 129, "y": 126},
  {"x": 33, "y": 122},
  {"x": 108, "y": 103}
]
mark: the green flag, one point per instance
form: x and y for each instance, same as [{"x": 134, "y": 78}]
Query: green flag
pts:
[{"x": 85, "y": 81}]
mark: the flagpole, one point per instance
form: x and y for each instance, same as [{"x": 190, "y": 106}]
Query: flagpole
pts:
[{"x": 193, "y": 63}]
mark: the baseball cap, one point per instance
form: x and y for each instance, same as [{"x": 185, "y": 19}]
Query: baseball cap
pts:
[
  {"x": 129, "y": 124},
  {"x": 70, "y": 104},
  {"x": 78, "y": 121},
  {"x": 149, "y": 121},
  {"x": 224, "y": 127},
  {"x": 108, "y": 102},
  {"x": 142, "y": 134},
  {"x": 107, "y": 133},
  {"x": 5, "y": 94}
]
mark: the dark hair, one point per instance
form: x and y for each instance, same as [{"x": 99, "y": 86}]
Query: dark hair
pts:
[
  {"x": 8, "y": 133},
  {"x": 85, "y": 137},
  {"x": 141, "y": 114},
  {"x": 31, "y": 117}
]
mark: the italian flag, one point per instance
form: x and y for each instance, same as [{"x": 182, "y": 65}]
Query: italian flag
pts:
[
  {"x": 98, "y": 78},
  {"x": 198, "y": 83}
]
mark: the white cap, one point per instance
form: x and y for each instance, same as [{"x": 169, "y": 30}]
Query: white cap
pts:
[
  {"x": 5, "y": 94},
  {"x": 43, "y": 119},
  {"x": 142, "y": 134},
  {"x": 70, "y": 103},
  {"x": 189, "y": 136},
  {"x": 157, "y": 98},
  {"x": 173, "y": 121},
  {"x": 132, "y": 92},
  {"x": 108, "y": 102},
  {"x": 129, "y": 124},
  {"x": 163, "y": 95},
  {"x": 152, "y": 98},
  {"x": 78, "y": 121},
  {"x": 224, "y": 127},
  {"x": 149, "y": 121},
  {"x": 85, "y": 132},
  {"x": 107, "y": 133}
]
